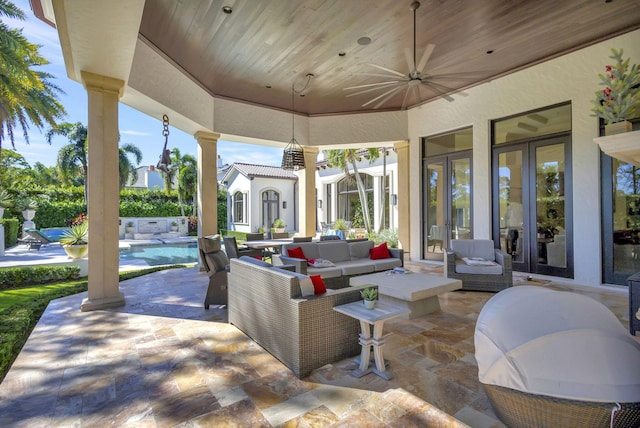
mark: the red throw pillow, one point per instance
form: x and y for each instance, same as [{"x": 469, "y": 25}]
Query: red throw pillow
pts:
[
  {"x": 318, "y": 284},
  {"x": 379, "y": 252},
  {"x": 296, "y": 253}
]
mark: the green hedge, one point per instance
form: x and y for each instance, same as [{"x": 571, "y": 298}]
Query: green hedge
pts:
[
  {"x": 20, "y": 276},
  {"x": 11, "y": 227}
]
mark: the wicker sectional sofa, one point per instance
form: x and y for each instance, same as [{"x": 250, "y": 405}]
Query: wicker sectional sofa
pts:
[
  {"x": 304, "y": 333},
  {"x": 349, "y": 258}
]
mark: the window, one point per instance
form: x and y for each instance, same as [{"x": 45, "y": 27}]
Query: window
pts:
[
  {"x": 327, "y": 205},
  {"x": 349, "y": 207},
  {"x": 238, "y": 207}
]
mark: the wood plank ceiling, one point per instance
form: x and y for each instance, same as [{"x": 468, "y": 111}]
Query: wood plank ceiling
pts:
[{"x": 258, "y": 51}]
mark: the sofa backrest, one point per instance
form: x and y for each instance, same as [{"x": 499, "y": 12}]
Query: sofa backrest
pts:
[
  {"x": 310, "y": 249},
  {"x": 473, "y": 248},
  {"x": 336, "y": 251}
]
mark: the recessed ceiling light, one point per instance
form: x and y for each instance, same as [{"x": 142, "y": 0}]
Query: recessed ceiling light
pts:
[
  {"x": 342, "y": 53},
  {"x": 363, "y": 41},
  {"x": 268, "y": 86},
  {"x": 227, "y": 9},
  {"x": 490, "y": 51}
]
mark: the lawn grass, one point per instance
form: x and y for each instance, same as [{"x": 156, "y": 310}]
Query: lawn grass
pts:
[{"x": 21, "y": 308}]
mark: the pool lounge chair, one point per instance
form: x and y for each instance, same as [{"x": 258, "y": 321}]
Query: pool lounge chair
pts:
[{"x": 35, "y": 239}]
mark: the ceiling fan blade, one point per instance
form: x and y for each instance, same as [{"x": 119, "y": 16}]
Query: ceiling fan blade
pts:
[
  {"x": 455, "y": 76},
  {"x": 438, "y": 91},
  {"x": 380, "y": 96},
  {"x": 416, "y": 94},
  {"x": 447, "y": 89},
  {"x": 369, "y": 85},
  {"x": 406, "y": 98},
  {"x": 386, "y": 76},
  {"x": 388, "y": 70},
  {"x": 425, "y": 57},
  {"x": 387, "y": 98},
  {"x": 372, "y": 89},
  {"x": 411, "y": 62}
]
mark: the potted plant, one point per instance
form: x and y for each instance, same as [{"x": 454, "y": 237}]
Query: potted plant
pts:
[
  {"x": 174, "y": 226},
  {"x": 369, "y": 295},
  {"x": 129, "y": 227},
  {"x": 278, "y": 225},
  {"x": 5, "y": 201},
  {"x": 620, "y": 99},
  {"x": 75, "y": 240},
  {"x": 28, "y": 207}
]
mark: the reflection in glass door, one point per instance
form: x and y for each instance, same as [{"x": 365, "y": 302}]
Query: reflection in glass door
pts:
[{"x": 448, "y": 202}]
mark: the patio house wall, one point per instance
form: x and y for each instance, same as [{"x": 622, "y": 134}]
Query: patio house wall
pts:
[{"x": 572, "y": 77}]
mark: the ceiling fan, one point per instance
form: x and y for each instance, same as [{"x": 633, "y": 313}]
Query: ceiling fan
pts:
[{"x": 409, "y": 82}]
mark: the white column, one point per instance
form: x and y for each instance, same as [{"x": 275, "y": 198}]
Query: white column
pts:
[
  {"x": 404, "y": 205},
  {"x": 307, "y": 193},
  {"x": 207, "y": 182},
  {"x": 103, "y": 191}
]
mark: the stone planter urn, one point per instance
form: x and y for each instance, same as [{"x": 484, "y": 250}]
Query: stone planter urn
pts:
[
  {"x": 76, "y": 251},
  {"x": 29, "y": 214}
]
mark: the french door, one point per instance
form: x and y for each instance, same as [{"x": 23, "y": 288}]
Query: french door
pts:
[
  {"x": 447, "y": 211},
  {"x": 532, "y": 205}
]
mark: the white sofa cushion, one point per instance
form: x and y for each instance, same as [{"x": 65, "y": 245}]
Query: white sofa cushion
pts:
[
  {"x": 360, "y": 250},
  {"x": 327, "y": 272},
  {"x": 473, "y": 248},
  {"x": 462, "y": 267},
  {"x": 385, "y": 264},
  {"x": 356, "y": 267}
]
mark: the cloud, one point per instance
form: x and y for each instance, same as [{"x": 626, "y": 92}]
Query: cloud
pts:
[{"x": 135, "y": 133}]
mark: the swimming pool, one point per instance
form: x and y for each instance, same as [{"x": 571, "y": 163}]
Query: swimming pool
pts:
[{"x": 161, "y": 254}]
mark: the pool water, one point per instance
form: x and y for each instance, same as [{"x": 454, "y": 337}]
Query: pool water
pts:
[
  {"x": 54, "y": 233},
  {"x": 161, "y": 254}
]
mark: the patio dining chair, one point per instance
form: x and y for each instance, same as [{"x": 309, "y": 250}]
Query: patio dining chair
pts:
[
  {"x": 216, "y": 264},
  {"x": 255, "y": 236},
  {"x": 302, "y": 238},
  {"x": 231, "y": 248}
]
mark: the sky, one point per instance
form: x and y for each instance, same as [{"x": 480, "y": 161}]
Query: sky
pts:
[{"x": 136, "y": 128}]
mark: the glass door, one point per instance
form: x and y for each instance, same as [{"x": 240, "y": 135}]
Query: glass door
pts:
[
  {"x": 532, "y": 207},
  {"x": 447, "y": 190}
]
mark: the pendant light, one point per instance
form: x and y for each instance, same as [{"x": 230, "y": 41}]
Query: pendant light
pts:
[{"x": 293, "y": 154}]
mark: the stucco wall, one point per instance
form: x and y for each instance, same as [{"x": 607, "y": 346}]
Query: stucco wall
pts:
[{"x": 571, "y": 78}]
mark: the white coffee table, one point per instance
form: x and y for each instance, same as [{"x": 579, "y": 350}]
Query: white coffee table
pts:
[{"x": 417, "y": 292}]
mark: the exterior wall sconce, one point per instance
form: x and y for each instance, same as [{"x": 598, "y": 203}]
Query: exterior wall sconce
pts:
[
  {"x": 319, "y": 203},
  {"x": 284, "y": 205},
  {"x": 394, "y": 199}
]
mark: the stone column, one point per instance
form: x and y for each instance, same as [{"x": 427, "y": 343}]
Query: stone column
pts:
[
  {"x": 307, "y": 193},
  {"x": 402, "y": 150},
  {"x": 103, "y": 191},
  {"x": 207, "y": 182}
]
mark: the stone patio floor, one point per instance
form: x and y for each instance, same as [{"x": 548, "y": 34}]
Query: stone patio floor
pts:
[{"x": 162, "y": 361}]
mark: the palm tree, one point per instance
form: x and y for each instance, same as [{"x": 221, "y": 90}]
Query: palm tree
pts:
[
  {"x": 188, "y": 180},
  {"x": 72, "y": 158},
  {"x": 26, "y": 95},
  {"x": 128, "y": 171},
  {"x": 343, "y": 159},
  {"x": 44, "y": 175}
]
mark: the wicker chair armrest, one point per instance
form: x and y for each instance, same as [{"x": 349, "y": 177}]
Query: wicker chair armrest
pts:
[
  {"x": 300, "y": 264},
  {"x": 504, "y": 259},
  {"x": 397, "y": 253}
]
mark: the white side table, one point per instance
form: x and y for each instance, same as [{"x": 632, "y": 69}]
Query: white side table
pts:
[{"x": 371, "y": 317}]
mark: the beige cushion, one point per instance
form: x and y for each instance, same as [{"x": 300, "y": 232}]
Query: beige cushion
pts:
[
  {"x": 462, "y": 267},
  {"x": 357, "y": 267}
]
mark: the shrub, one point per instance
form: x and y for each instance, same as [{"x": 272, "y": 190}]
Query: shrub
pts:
[
  {"x": 11, "y": 227},
  {"x": 20, "y": 276}
]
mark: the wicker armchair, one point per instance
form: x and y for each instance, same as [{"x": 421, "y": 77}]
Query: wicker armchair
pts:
[
  {"x": 304, "y": 333},
  {"x": 216, "y": 264},
  {"x": 479, "y": 278}
]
